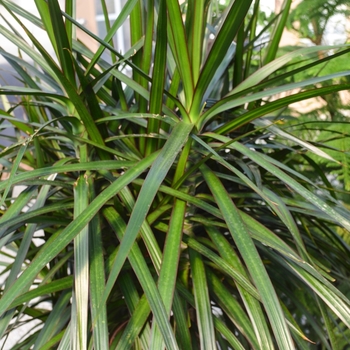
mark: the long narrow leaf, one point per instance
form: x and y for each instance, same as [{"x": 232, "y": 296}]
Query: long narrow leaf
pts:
[
  {"x": 168, "y": 272},
  {"x": 81, "y": 264},
  {"x": 179, "y": 49},
  {"x": 146, "y": 280},
  {"x": 252, "y": 260},
  {"x": 221, "y": 44},
  {"x": 60, "y": 240},
  {"x": 203, "y": 307},
  {"x": 152, "y": 183}
]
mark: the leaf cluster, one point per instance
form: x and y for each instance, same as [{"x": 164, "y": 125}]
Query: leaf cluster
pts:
[{"x": 172, "y": 208}]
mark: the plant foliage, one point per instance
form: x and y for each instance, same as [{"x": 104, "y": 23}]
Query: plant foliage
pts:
[
  {"x": 172, "y": 208},
  {"x": 309, "y": 19}
]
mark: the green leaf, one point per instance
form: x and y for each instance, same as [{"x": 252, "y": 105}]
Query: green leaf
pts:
[
  {"x": 312, "y": 198},
  {"x": 77, "y": 106},
  {"x": 146, "y": 280},
  {"x": 197, "y": 25},
  {"x": 62, "y": 44},
  {"x": 251, "y": 258},
  {"x": 96, "y": 165},
  {"x": 139, "y": 310},
  {"x": 277, "y": 32},
  {"x": 169, "y": 267},
  {"x": 42, "y": 290},
  {"x": 229, "y": 27},
  {"x": 29, "y": 232},
  {"x": 202, "y": 224},
  {"x": 337, "y": 303},
  {"x": 97, "y": 279},
  {"x": 81, "y": 264},
  {"x": 178, "y": 46},
  {"x": 56, "y": 320},
  {"x": 158, "y": 76},
  {"x": 203, "y": 306},
  {"x": 61, "y": 239},
  {"x": 271, "y": 67},
  {"x": 232, "y": 102},
  {"x": 232, "y": 308},
  {"x": 154, "y": 178},
  {"x": 224, "y": 266},
  {"x": 9, "y": 182},
  {"x": 262, "y": 334}
]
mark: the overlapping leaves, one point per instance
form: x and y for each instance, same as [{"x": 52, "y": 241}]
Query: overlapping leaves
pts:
[{"x": 170, "y": 215}]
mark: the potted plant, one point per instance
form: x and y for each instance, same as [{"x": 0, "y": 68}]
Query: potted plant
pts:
[{"x": 170, "y": 203}]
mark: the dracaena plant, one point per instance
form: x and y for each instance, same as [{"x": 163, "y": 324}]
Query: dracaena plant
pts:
[{"x": 172, "y": 207}]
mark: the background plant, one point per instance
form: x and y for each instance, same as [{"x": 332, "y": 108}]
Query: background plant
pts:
[
  {"x": 309, "y": 20},
  {"x": 173, "y": 207},
  {"x": 326, "y": 123}
]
